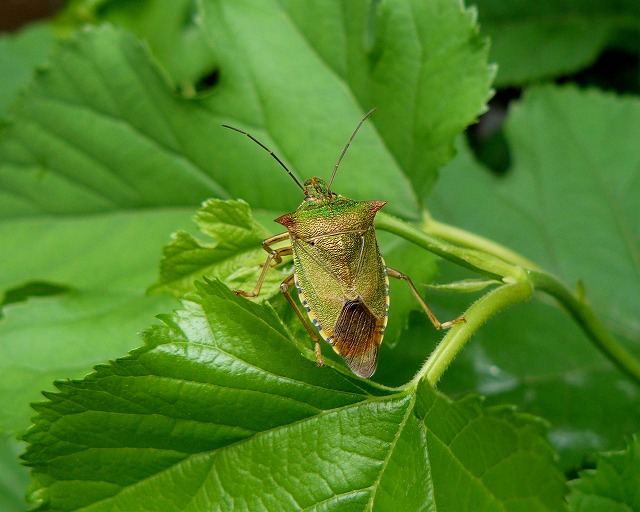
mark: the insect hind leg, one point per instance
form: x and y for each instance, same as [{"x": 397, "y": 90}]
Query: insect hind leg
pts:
[{"x": 392, "y": 272}]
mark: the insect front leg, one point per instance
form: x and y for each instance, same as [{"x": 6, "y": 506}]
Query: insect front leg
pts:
[
  {"x": 266, "y": 245},
  {"x": 275, "y": 256},
  {"x": 284, "y": 287},
  {"x": 392, "y": 272}
]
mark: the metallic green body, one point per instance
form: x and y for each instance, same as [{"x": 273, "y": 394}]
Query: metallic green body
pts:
[{"x": 340, "y": 275}]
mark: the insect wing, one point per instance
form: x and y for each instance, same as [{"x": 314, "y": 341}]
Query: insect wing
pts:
[
  {"x": 371, "y": 278},
  {"x": 320, "y": 292},
  {"x": 357, "y": 337},
  {"x": 359, "y": 331},
  {"x": 344, "y": 289}
]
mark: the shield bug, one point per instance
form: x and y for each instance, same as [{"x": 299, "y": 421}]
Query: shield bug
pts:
[{"x": 341, "y": 278}]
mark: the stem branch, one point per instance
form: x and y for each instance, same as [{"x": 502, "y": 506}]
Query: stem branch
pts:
[
  {"x": 456, "y": 338},
  {"x": 584, "y": 315},
  {"x": 478, "y": 261},
  {"x": 499, "y": 263},
  {"x": 465, "y": 238}
]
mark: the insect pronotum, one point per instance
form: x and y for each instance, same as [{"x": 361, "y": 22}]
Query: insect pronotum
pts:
[{"x": 341, "y": 278}]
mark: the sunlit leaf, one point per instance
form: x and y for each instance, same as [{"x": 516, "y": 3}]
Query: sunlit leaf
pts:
[{"x": 220, "y": 410}]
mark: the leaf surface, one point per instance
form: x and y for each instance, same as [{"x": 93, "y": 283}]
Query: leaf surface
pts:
[
  {"x": 220, "y": 398},
  {"x": 95, "y": 272}
]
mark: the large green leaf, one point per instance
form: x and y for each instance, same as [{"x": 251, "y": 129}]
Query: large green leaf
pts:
[
  {"x": 571, "y": 200},
  {"x": 531, "y": 41},
  {"x": 20, "y": 55},
  {"x": 220, "y": 410},
  {"x": 97, "y": 273},
  {"x": 422, "y": 64},
  {"x": 267, "y": 77}
]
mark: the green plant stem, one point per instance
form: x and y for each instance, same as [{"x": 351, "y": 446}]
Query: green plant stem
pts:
[
  {"x": 471, "y": 240},
  {"x": 582, "y": 312},
  {"x": 456, "y": 338},
  {"x": 520, "y": 276},
  {"x": 478, "y": 261}
]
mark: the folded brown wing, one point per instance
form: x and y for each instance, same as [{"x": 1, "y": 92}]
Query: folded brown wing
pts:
[{"x": 356, "y": 338}]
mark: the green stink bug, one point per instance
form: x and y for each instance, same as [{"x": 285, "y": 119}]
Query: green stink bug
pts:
[{"x": 339, "y": 273}]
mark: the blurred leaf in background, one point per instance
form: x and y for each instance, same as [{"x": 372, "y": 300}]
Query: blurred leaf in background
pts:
[{"x": 532, "y": 41}]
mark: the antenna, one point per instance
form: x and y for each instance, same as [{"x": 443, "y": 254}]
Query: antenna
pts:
[
  {"x": 270, "y": 152},
  {"x": 333, "y": 175}
]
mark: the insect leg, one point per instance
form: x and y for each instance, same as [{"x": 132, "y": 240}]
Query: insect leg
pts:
[
  {"x": 274, "y": 240},
  {"x": 275, "y": 255},
  {"x": 436, "y": 323},
  {"x": 284, "y": 287}
]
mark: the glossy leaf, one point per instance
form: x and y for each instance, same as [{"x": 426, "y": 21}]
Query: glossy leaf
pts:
[{"x": 219, "y": 409}]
